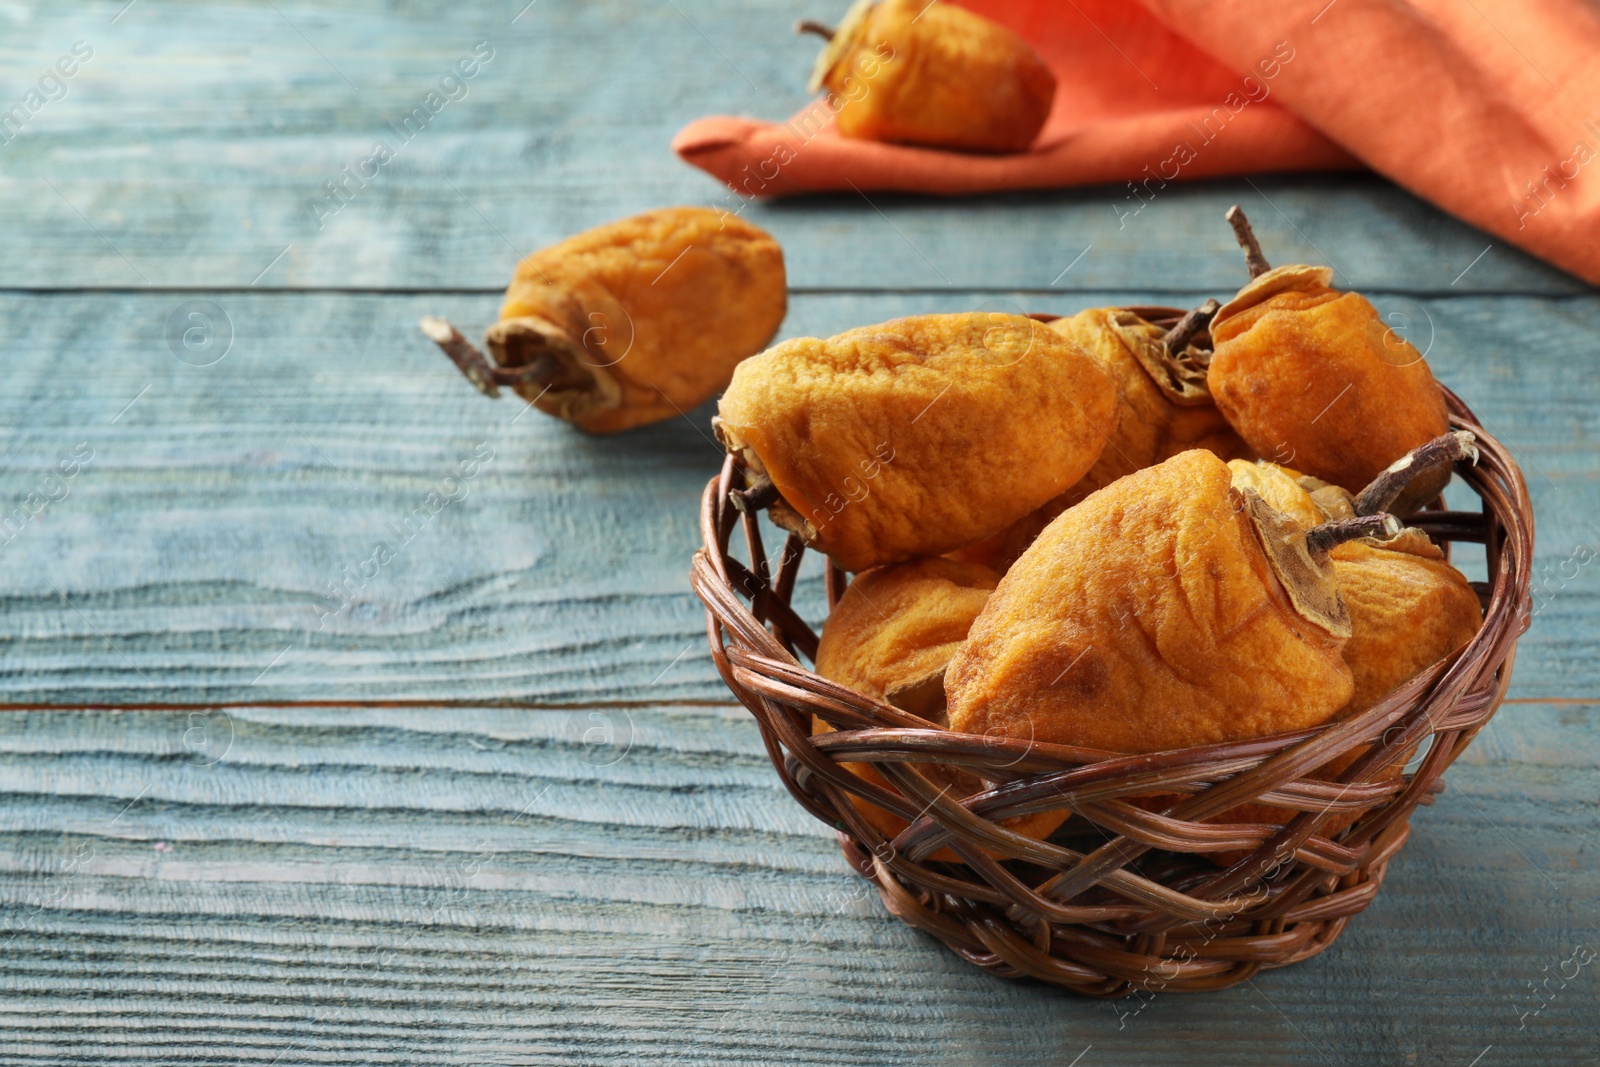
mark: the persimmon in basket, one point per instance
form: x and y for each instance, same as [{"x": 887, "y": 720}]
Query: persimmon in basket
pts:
[
  {"x": 1409, "y": 608},
  {"x": 1164, "y": 404},
  {"x": 890, "y": 637},
  {"x": 917, "y": 436},
  {"x": 1165, "y": 611},
  {"x": 1313, "y": 377},
  {"x": 1163, "y": 407}
]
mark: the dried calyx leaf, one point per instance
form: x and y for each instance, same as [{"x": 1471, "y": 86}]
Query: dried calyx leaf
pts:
[
  {"x": 1177, "y": 367},
  {"x": 840, "y": 40},
  {"x": 533, "y": 352},
  {"x": 759, "y": 491},
  {"x": 1297, "y": 276},
  {"x": 1424, "y": 466},
  {"x": 548, "y": 357},
  {"x": 1299, "y": 557},
  {"x": 1410, "y": 540}
]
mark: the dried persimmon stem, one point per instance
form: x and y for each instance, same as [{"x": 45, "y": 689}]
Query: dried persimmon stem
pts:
[
  {"x": 472, "y": 363},
  {"x": 1320, "y": 540},
  {"x": 1194, "y": 320},
  {"x": 1253, "y": 259},
  {"x": 821, "y": 30},
  {"x": 1441, "y": 452},
  {"x": 759, "y": 493}
]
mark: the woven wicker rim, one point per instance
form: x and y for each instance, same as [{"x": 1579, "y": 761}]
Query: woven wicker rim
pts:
[{"x": 1129, "y": 900}]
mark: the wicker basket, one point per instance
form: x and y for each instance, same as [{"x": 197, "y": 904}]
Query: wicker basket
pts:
[{"x": 1120, "y": 898}]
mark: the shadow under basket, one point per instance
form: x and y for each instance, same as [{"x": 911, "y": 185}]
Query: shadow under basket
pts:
[{"x": 1121, "y": 898}]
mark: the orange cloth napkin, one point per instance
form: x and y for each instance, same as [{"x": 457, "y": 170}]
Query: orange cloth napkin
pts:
[{"x": 1488, "y": 108}]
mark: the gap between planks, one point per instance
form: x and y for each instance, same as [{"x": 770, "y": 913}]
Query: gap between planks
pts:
[
  {"x": 799, "y": 290},
  {"x": 526, "y": 705}
]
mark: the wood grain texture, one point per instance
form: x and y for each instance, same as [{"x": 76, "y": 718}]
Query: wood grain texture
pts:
[
  {"x": 190, "y": 149},
  {"x": 477, "y": 885},
  {"x": 615, "y": 877},
  {"x": 189, "y": 560}
]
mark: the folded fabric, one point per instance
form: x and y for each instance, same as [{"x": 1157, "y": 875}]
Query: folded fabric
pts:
[{"x": 1488, "y": 108}]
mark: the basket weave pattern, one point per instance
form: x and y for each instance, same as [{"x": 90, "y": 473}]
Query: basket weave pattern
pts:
[{"x": 1121, "y": 898}]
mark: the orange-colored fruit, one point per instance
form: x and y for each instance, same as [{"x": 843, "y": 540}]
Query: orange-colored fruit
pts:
[
  {"x": 1313, "y": 377},
  {"x": 928, "y": 73},
  {"x": 916, "y": 436},
  {"x": 890, "y": 637},
  {"x": 1162, "y": 409},
  {"x": 642, "y": 319},
  {"x": 1156, "y": 614}
]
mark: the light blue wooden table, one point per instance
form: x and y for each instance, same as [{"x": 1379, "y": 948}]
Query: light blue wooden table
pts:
[{"x": 498, "y": 808}]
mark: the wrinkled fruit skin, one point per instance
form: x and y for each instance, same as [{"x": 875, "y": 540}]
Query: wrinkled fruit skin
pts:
[
  {"x": 890, "y": 638},
  {"x": 1146, "y": 618},
  {"x": 1409, "y": 609},
  {"x": 1278, "y": 486},
  {"x": 920, "y": 435},
  {"x": 647, "y": 335},
  {"x": 929, "y": 604},
  {"x": 1313, "y": 377},
  {"x": 1149, "y": 428},
  {"x": 912, "y": 72}
]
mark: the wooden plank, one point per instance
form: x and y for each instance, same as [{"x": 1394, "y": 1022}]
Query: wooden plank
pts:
[
  {"x": 475, "y": 885},
  {"x": 196, "y": 158},
  {"x": 190, "y": 557},
  {"x": 621, "y": 879}
]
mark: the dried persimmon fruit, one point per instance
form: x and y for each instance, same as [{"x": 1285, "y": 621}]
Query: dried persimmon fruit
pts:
[
  {"x": 1165, "y": 611},
  {"x": 916, "y": 436},
  {"x": 1163, "y": 408},
  {"x": 1313, "y": 377},
  {"x": 632, "y": 322},
  {"x": 927, "y": 73},
  {"x": 890, "y": 637},
  {"x": 896, "y": 627},
  {"x": 1409, "y": 609}
]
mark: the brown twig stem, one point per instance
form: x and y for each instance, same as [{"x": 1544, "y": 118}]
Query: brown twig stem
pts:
[
  {"x": 1253, "y": 259},
  {"x": 542, "y": 370},
  {"x": 473, "y": 363},
  {"x": 752, "y": 498},
  {"x": 1320, "y": 540},
  {"x": 1441, "y": 452},
  {"x": 1194, "y": 320}
]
